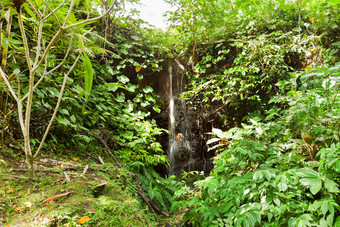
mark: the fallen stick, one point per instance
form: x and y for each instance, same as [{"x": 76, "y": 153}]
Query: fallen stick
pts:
[{"x": 57, "y": 196}]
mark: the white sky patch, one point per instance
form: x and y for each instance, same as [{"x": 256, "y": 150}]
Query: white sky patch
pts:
[{"x": 152, "y": 11}]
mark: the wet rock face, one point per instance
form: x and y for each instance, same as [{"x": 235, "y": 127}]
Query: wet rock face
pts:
[{"x": 186, "y": 145}]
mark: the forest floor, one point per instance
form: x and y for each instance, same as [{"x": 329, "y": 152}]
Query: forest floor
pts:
[{"x": 69, "y": 193}]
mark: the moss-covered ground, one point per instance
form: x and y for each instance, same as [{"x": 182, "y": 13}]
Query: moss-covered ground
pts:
[{"x": 69, "y": 193}]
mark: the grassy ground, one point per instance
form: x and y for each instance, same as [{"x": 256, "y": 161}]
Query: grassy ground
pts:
[{"x": 69, "y": 193}]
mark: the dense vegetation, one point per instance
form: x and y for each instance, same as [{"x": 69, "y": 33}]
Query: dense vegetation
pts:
[{"x": 266, "y": 72}]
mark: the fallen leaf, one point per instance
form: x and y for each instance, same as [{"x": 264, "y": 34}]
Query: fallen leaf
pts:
[
  {"x": 130, "y": 200},
  {"x": 91, "y": 211},
  {"x": 28, "y": 204},
  {"x": 307, "y": 67},
  {"x": 84, "y": 219},
  {"x": 138, "y": 68}
]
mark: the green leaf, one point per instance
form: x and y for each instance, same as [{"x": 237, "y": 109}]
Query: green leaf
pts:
[
  {"x": 156, "y": 109},
  {"x": 123, "y": 79},
  {"x": 337, "y": 221},
  {"x": 330, "y": 219},
  {"x": 115, "y": 85},
  {"x": 331, "y": 186},
  {"x": 253, "y": 121},
  {"x": 73, "y": 119},
  {"x": 259, "y": 130},
  {"x": 148, "y": 89},
  {"x": 314, "y": 184},
  {"x": 88, "y": 76},
  {"x": 324, "y": 208},
  {"x": 306, "y": 172},
  {"x": 63, "y": 121}
]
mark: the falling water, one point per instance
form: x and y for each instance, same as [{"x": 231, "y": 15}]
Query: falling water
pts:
[
  {"x": 180, "y": 150},
  {"x": 172, "y": 141}
]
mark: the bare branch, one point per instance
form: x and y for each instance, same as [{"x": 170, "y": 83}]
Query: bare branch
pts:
[
  {"x": 4, "y": 77},
  {"x": 21, "y": 117},
  {"x": 55, "y": 68},
  {"x": 89, "y": 20},
  {"x": 68, "y": 13},
  {"x": 67, "y": 27},
  {"x": 52, "y": 13},
  {"x": 7, "y": 34},
  {"x": 40, "y": 37},
  {"x": 57, "y": 107},
  {"x": 24, "y": 39},
  {"x": 35, "y": 9},
  {"x": 55, "y": 10},
  {"x": 47, "y": 49}
]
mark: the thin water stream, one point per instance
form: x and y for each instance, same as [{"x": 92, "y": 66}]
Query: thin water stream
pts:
[{"x": 180, "y": 150}]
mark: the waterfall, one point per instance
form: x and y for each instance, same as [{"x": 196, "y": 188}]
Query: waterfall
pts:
[
  {"x": 172, "y": 141},
  {"x": 180, "y": 151}
]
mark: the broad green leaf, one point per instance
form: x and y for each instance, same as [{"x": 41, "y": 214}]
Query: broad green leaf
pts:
[
  {"x": 331, "y": 186},
  {"x": 330, "y": 219},
  {"x": 314, "y": 184},
  {"x": 63, "y": 121},
  {"x": 306, "y": 172},
  {"x": 148, "y": 89},
  {"x": 123, "y": 79},
  {"x": 324, "y": 208},
  {"x": 337, "y": 221},
  {"x": 88, "y": 76}
]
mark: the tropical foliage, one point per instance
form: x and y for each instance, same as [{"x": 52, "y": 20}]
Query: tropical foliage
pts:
[
  {"x": 267, "y": 172},
  {"x": 264, "y": 73}
]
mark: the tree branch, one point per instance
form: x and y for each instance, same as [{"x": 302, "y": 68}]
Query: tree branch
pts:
[
  {"x": 4, "y": 77},
  {"x": 91, "y": 19},
  {"x": 57, "y": 107},
  {"x": 55, "y": 68},
  {"x": 52, "y": 13},
  {"x": 35, "y": 9},
  {"x": 24, "y": 39},
  {"x": 55, "y": 10}
]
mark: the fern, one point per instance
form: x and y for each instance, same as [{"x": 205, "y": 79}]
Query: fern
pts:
[{"x": 160, "y": 190}]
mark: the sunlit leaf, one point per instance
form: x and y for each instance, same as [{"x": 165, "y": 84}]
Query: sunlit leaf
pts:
[
  {"x": 84, "y": 219},
  {"x": 138, "y": 68}
]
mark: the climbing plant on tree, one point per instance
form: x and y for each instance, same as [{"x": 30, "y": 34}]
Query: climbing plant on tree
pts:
[{"x": 39, "y": 56}]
